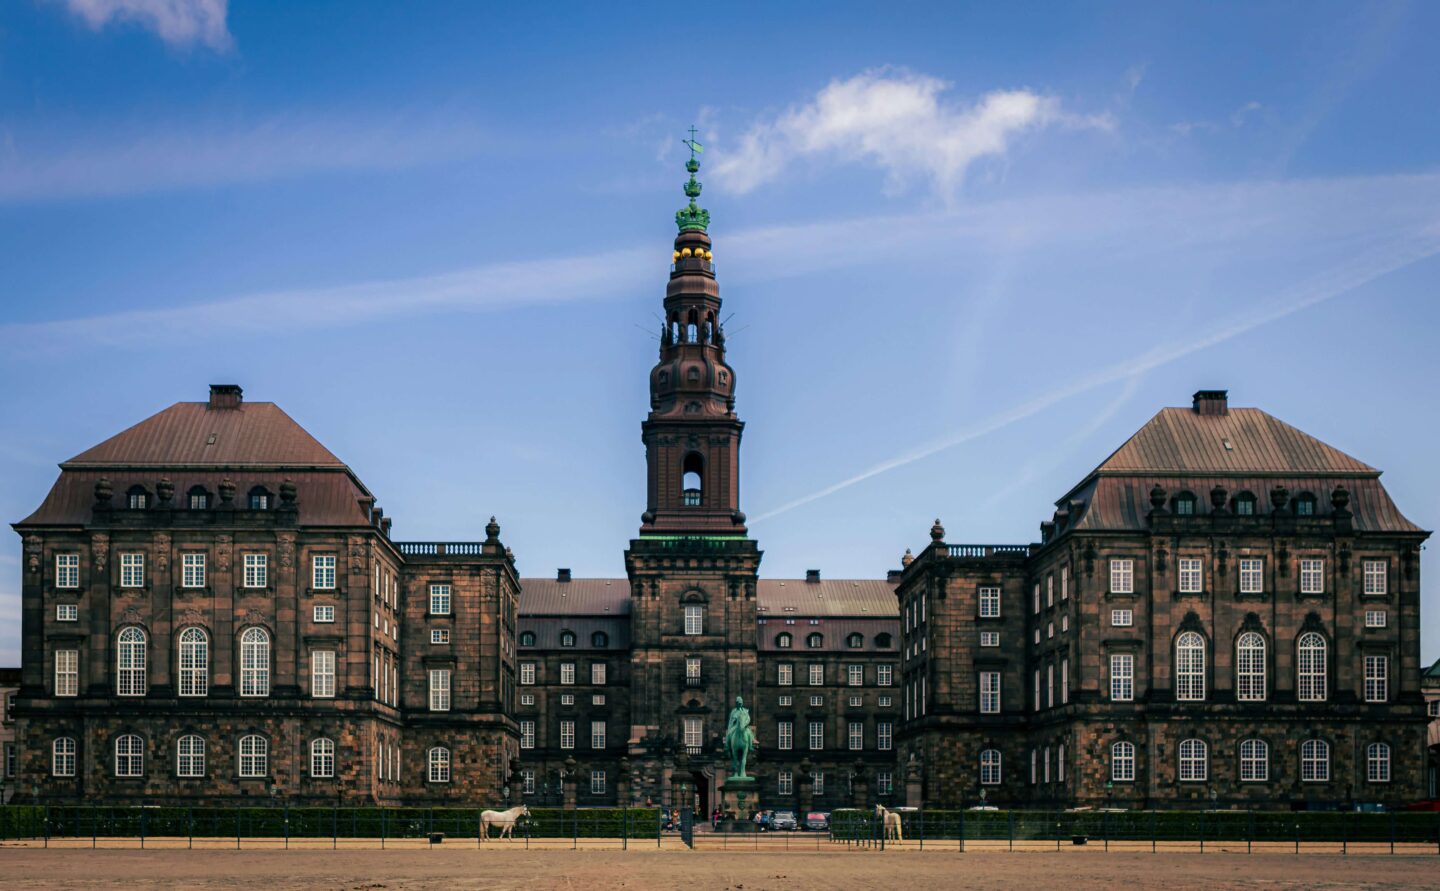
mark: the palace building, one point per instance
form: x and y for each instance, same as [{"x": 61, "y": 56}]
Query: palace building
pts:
[{"x": 1225, "y": 612}]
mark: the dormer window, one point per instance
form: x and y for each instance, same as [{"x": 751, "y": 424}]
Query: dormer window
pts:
[
  {"x": 137, "y": 498},
  {"x": 527, "y": 638},
  {"x": 199, "y": 499},
  {"x": 1245, "y": 505},
  {"x": 1185, "y": 505},
  {"x": 855, "y": 641},
  {"x": 1304, "y": 505},
  {"x": 567, "y": 638},
  {"x": 259, "y": 498},
  {"x": 783, "y": 640},
  {"x": 883, "y": 641},
  {"x": 815, "y": 641},
  {"x": 599, "y": 640}
]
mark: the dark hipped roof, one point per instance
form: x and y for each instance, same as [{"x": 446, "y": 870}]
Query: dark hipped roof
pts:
[
  {"x": 253, "y": 433},
  {"x": 577, "y": 597},
  {"x": 863, "y": 598}
]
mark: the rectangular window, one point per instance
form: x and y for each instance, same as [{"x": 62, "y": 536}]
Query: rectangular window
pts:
[
  {"x": 1064, "y": 583},
  {"x": 785, "y": 782},
  {"x": 257, "y": 570},
  {"x": 527, "y": 734},
  {"x": 527, "y": 781},
  {"x": 1377, "y": 681},
  {"x": 439, "y": 635},
  {"x": 67, "y": 612},
  {"x": 989, "y": 638},
  {"x": 1375, "y": 618},
  {"x": 527, "y": 673},
  {"x": 817, "y": 674},
  {"x": 67, "y": 570},
  {"x": 884, "y": 701},
  {"x": 1122, "y": 677},
  {"x": 855, "y": 675},
  {"x": 1375, "y": 580},
  {"x": 785, "y": 701},
  {"x": 884, "y": 675},
  {"x": 322, "y": 572},
  {"x": 62, "y": 757},
  {"x": 597, "y": 674},
  {"x": 527, "y": 698},
  {"x": 1312, "y": 576},
  {"x": 989, "y": 603},
  {"x": 856, "y": 736},
  {"x": 817, "y": 735},
  {"x": 567, "y": 734},
  {"x": 439, "y": 600},
  {"x": 324, "y": 613},
  {"x": 322, "y": 674},
  {"x": 67, "y": 672},
  {"x": 694, "y": 619},
  {"x": 597, "y": 734},
  {"x": 693, "y": 731},
  {"x": 1037, "y": 598},
  {"x": 784, "y": 674},
  {"x": 1190, "y": 576},
  {"x": 597, "y": 782},
  {"x": 692, "y": 668},
  {"x": 439, "y": 689},
  {"x": 817, "y": 701},
  {"x": 567, "y": 672},
  {"x": 817, "y": 780},
  {"x": 597, "y": 699},
  {"x": 785, "y": 736},
  {"x": 990, "y": 692},
  {"x": 1122, "y": 618},
  {"x": 1252, "y": 576},
  {"x": 1122, "y": 576},
  {"x": 132, "y": 570},
  {"x": 855, "y": 701},
  {"x": 567, "y": 698},
  {"x": 1050, "y": 686},
  {"x": 192, "y": 574},
  {"x": 1050, "y": 590},
  {"x": 1065, "y": 680},
  {"x": 883, "y": 735}
]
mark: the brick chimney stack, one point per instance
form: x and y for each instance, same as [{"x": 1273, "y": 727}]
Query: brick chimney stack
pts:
[
  {"x": 562, "y": 575},
  {"x": 1212, "y": 402},
  {"x": 225, "y": 396},
  {"x": 812, "y": 575}
]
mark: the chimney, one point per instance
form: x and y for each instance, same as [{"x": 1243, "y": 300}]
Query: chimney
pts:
[
  {"x": 893, "y": 576},
  {"x": 562, "y": 575},
  {"x": 812, "y": 575},
  {"x": 1212, "y": 402},
  {"x": 225, "y": 396}
]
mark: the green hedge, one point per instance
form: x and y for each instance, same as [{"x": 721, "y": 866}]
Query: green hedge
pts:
[
  {"x": 1286, "y": 826},
  {"x": 34, "y": 821}
]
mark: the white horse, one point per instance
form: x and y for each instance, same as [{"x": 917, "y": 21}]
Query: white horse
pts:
[
  {"x": 889, "y": 823},
  {"x": 504, "y": 819}
]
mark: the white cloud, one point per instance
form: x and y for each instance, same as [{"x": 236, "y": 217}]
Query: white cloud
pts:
[
  {"x": 180, "y": 23},
  {"x": 896, "y": 120},
  {"x": 1237, "y": 117}
]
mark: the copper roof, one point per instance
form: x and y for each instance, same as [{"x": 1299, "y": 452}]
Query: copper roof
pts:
[
  {"x": 777, "y": 598},
  {"x": 192, "y": 433},
  {"x": 577, "y": 597}
]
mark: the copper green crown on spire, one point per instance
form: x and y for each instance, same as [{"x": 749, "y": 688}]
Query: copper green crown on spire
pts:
[{"x": 692, "y": 217}]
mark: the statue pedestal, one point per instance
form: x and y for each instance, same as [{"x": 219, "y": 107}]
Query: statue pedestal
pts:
[{"x": 740, "y": 796}]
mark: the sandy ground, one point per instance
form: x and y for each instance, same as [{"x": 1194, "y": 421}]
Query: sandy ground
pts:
[{"x": 837, "y": 867}]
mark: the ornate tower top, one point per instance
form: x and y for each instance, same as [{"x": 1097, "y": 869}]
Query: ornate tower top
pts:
[{"x": 692, "y": 216}]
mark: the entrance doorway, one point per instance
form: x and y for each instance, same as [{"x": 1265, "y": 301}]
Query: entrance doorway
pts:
[{"x": 703, "y": 799}]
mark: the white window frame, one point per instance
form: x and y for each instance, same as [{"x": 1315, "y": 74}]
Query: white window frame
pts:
[
  {"x": 67, "y": 571},
  {"x": 785, "y": 783},
  {"x": 1250, "y": 671},
  {"x": 784, "y": 674},
  {"x": 1376, "y": 618},
  {"x": 257, "y": 570},
  {"x": 131, "y": 677},
  {"x": 1314, "y": 761},
  {"x": 194, "y": 662},
  {"x": 567, "y": 734},
  {"x": 597, "y": 781},
  {"x": 322, "y": 758},
  {"x": 884, "y": 735},
  {"x": 1254, "y": 761},
  {"x": 785, "y": 735},
  {"x": 597, "y": 674},
  {"x": 1122, "y": 618},
  {"x": 1194, "y": 756},
  {"x": 1377, "y": 678},
  {"x": 1313, "y": 668},
  {"x": 190, "y": 756},
  {"x": 63, "y": 756},
  {"x": 694, "y": 619},
  {"x": 855, "y": 736},
  {"x": 1377, "y": 762},
  {"x": 1122, "y": 677},
  {"x": 597, "y": 734},
  {"x": 991, "y": 767},
  {"x": 1122, "y": 575},
  {"x": 989, "y": 602},
  {"x": 67, "y": 612},
  {"x": 527, "y": 734},
  {"x": 67, "y": 672},
  {"x": 527, "y": 674},
  {"x": 439, "y": 635},
  {"x": 989, "y": 692},
  {"x": 437, "y": 761},
  {"x": 439, "y": 689},
  {"x": 322, "y": 572},
  {"x": 254, "y": 756},
  {"x": 132, "y": 569},
  {"x": 1252, "y": 575},
  {"x": 1376, "y": 575},
  {"x": 989, "y": 638},
  {"x": 817, "y": 736},
  {"x": 1191, "y": 574},
  {"x": 1122, "y": 762},
  {"x": 255, "y": 662},
  {"x": 817, "y": 674},
  {"x": 1312, "y": 576},
  {"x": 192, "y": 569},
  {"x": 855, "y": 675},
  {"x": 129, "y": 755},
  {"x": 567, "y": 673},
  {"x": 324, "y": 613},
  {"x": 322, "y": 674},
  {"x": 440, "y": 604},
  {"x": 1190, "y": 667},
  {"x": 884, "y": 675}
]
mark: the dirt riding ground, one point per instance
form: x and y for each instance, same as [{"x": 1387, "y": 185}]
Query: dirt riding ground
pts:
[{"x": 25, "y": 867}]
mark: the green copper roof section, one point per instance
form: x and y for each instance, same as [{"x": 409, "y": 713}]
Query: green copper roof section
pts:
[{"x": 692, "y": 216}]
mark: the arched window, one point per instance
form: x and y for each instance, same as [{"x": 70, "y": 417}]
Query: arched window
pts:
[
  {"x": 439, "y": 765},
  {"x": 190, "y": 756},
  {"x": 62, "y": 757},
  {"x": 129, "y": 756},
  {"x": 693, "y": 485},
  {"x": 990, "y": 767},
  {"x": 599, "y": 640},
  {"x": 1305, "y": 505},
  {"x": 254, "y": 756},
  {"x": 255, "y": 662},
  {"x": 783, "y": 640},
  {"x": 1250, "y": 667},
  {"x": 259, "y": 498},
  {"x": 527, "y": 638},
  {"x": 1122, "y": 762},
  {"x": 883, "y": 641},
  {"x": 815, "y": 641},
  {"x": 130, "y": 662},
  {"x": 1185, "y": 504},
  {"x": 567, "y": 638},
  {"x": 137, "y": 498},
  {"x": 198, "y": 498},
  {"x": 855, "y": 641},
  {"x": 322, "y": 758},
  {"x": 1377, "y": 763},
  {"x": 1190, "y": 667},
  {"x": 194, "y": 662},
  {"x": 1312, "y": 669},
  {"x": 1315, "y": 761},
  {"x": 1244, "y": 504},
  {"x": 1254, "y": 761},
  {"x": 1194, "y": 760}
]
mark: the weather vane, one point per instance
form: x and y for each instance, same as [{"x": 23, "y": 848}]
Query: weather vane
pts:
[{"x": 695, "y": 147}]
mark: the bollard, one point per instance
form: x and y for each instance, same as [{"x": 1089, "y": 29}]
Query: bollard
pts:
[
  {"x": 1202, "y": 832},
  {"x": 1010, "y": 820},
  {"x": 190, "y": 826},
  {"x": 335, "y": 827},
  {"x": 142, "y": 830}
]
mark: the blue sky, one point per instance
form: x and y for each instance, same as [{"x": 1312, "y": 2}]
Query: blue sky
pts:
[{"x": 968, "y": 248}]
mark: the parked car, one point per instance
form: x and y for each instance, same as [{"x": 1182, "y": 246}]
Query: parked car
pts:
[
  {"x": 785, "y": 820},
  {"x": 818, "y": 821}
]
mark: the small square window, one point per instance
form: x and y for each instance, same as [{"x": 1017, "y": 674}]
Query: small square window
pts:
[
  {"x": 324, "y": 613},
  {"x": 597, "y": 699},
  {"x": 527, "y": 698},
  {"x": 883, "y": 702},
  {"x": 439, "y": 635},
  {"x": 855, "y": 701},
  {"x": 989, "y": 638},
  {"x": 1122, "y": 618},
  {"x": 817, "y": 701},
  {"x": 567, "y": 698},
  {"x": 786, "y": 700},
  {"x": 1375, "y": 618}
]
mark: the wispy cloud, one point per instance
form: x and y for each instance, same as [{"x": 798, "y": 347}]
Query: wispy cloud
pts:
[
  {"x": 896, "y": 120},
  {"x": 180, "y": 23},
  {"x": 132, "y": 159}
]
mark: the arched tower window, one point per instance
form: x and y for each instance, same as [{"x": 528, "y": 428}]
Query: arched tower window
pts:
[
  {"x": 1190, "y": 667},
  {"x": 692, "y": 480},
  {"x": 194, "y": 662},
  {"x": 255, "y": 662},
  {"x": 1250, "y": 667},
  {"x": 1312, "y": 668}
]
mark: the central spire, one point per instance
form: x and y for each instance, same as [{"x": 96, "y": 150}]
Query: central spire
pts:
[{"x": 692, "y": 216}]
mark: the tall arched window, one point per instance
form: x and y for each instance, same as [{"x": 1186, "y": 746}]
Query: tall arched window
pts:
[
  {"x": 1194, "y": 760},
  {"x": 190, "y": 756},
  {"x": 1377, "y": 763},
  {"x": 255, "y": 662},
  {"x": 1250, "y": 667},
  {"x": 1254, "y": 761},
  {"x": 62, "y": 757},
  {"x": 439, "y": 765},
  {"x": 130, "y": 662},
  {"x": 1190, "y": 667},
  {"x": 1315, "y": 761},
  {"x": 194, "y": 662},
  {"x": 990, "y": 767},
  {"x": 322, "y": 758},
  {"x": 693, "y": 484},
  {"x": 783, "y": 640},
  {"x": 1122, "y": 762},
  {"x": 129, "y": 756},
  {"x": 254, "y": 756},
  {"x": 1310, "y": 650}
]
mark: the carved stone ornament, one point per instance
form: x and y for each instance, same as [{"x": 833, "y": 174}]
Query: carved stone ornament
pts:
[
  {"x": 131, "y": 616},
  {"x": 34, "y": 545},
  {"x": 287, "y": 550},
  {"x": 357, "y": 554},
  {"x": 254, "y": 617},
  {"x": 190, "y": 616},
  {"x": 100, "y": 550},
  {"x": 222, "y": 553},
  {"x": 162, "y": 551}
]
